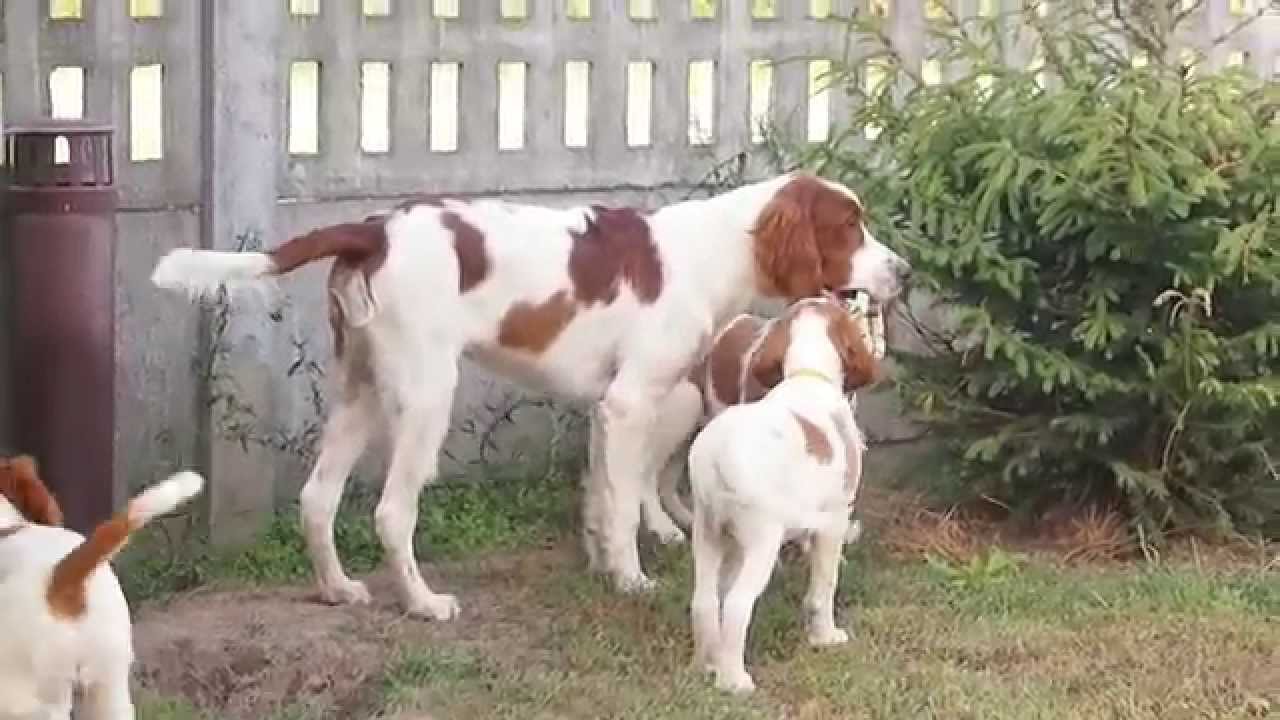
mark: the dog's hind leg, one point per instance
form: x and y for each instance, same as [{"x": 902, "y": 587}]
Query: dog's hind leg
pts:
[
  {"x": 819, "y": 602},
  {"x": 108, "y": 698},
  {"x": 704, "y": 607},
  {"x": 678, "y": 418},
  {"x": 346, "y": 434},
  {"x": 761, "y": 540},
  {"x": 420, "y": 391}
]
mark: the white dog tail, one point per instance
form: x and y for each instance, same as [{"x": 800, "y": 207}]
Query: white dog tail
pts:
[
  {"x": 201, "y": 273},
  {"x": 66, "y": 594}
]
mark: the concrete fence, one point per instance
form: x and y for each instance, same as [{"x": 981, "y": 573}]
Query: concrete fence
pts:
[{"x": 244, "y": 122}]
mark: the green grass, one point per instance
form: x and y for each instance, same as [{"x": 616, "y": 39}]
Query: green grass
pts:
[
  {"x": 455, "y": 519},
  {"x": 1004, "y": 637}
]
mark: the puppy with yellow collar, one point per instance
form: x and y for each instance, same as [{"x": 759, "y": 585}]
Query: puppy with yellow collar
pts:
[{"x": 786, "y": 466}]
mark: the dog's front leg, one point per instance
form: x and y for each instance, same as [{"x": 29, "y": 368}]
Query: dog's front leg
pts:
[{"x": 626, "y": 420}]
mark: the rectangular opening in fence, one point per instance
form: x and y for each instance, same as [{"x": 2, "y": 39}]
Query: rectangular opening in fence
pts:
[
  {"x": 577, "y": 90},
  {"x": 1188, "y": 58},
  {"x": 764, "y": 9},
  {"x": 3, "y": 150},
  {"x": 639, "y": 103},
  {"x": 935, "y": 9},
  {"x": 878, "y": 8},
  {"x": 447, "y": 9},
  {"x": 819, "y": 111},
  {"x": 1237, "y": 58},
  {"x": 874, "y": 78},
  {"x": 641, "y": 10},
  {"x": 1239, "y": 7},
  {"x": 702, "y": 102},
  {"x": 443, "y": 121},
  {"x": 511, "y": 104},
  {"x": 820, "y": 9},
  {"x": 514, "y": 9},
  {"x": 304, "y": 107},
  {"x": 375, "y": 107},
  {"x": 577, "y": 9},
  {"x": 65, "y": 9},
  {"x": 66, "y": 102},
  {"x": 304, "y": 7},
  {"x": 989, "y": 8},
  {"x": 760, "y": 100},
  {"x": 141, "y": 9},
  {"x": 702, "y": 9},
  {"x": 931, "y": 71},
  {"x": 146, "y": 113},
  {"x": 375, "y": 8}
]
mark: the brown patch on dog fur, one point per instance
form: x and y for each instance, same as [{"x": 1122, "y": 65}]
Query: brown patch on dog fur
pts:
[
  {"x": 729, "y": 355},
  {"x": 468, "y": 245},
  {"x": 534, "y": 326},
  {"x": 766, "y": 363},
  {"x": 816, "y": 442},
  {"x": 21, "y": 485},
  {"x": 805, "y": 239},
  {"x": 11, "y": 530},
  {"x": 616, "y": 247}
]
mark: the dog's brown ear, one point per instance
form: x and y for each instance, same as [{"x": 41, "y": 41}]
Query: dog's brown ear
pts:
[
  {"x": 786, "y": 245},
  {"x": 859, "y": 365},
  {"x": 21, "y": 485},
  {"x": 766, "y": 362}
]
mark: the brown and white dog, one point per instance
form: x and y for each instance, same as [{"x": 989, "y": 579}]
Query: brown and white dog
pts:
[
  {"x": 782, "y": 467},
  {"x": 64, "y": 623},
  {"x": 608, "y": 305},
  {"x": 740, "y": 367}
]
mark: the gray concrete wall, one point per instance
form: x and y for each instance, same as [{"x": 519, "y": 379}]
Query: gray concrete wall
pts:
[{"x": 226, "y": 172}]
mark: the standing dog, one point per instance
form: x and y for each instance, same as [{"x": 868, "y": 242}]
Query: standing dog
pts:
[
  {"x": 64, "y": 623},
  {"x": 612, "y": 306},
  {"x": 736, "y": 370},
  {"x": 783, "y": 467}
]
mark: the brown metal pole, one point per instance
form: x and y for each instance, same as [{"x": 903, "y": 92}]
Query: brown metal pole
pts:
[{"x": 62, "y": 235}]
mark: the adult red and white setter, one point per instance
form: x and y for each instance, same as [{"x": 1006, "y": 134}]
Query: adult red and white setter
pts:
[{"x": 604, "y": 304}]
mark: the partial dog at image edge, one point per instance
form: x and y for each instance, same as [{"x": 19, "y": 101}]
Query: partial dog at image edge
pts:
[
  {"x": 63, "y": 617},
  {"x": 784, "y": 467}
]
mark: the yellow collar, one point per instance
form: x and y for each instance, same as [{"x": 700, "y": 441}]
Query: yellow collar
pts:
[{"x": 811, "y": 373}]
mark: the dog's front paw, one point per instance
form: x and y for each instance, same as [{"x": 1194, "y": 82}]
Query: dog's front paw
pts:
[
  {"x": 436, "y": 607},
  {"x": 670, "y": 536},
  {"x": 854, "y": 533},
  {"x": 347, "y": 592},
  {"x": 634, "y": 584},
  {"x": 826, "y": 637},
  {"x": 737, "y": 682}
]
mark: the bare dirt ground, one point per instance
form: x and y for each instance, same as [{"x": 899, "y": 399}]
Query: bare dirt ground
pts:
[{"x": 248, "y": 654}]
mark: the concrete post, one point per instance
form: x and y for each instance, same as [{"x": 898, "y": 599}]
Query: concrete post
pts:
[{"x": 242, "y": 139}]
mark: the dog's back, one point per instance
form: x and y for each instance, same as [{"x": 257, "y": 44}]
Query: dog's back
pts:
[
  {"x": 44, "y": 655},
  {"x": 778, "y": 456}
]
